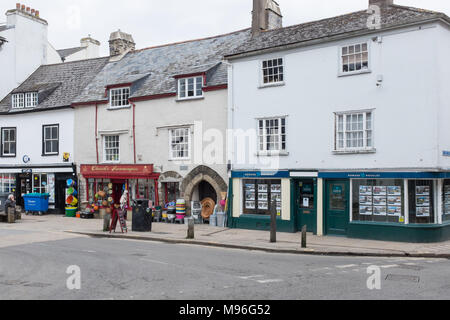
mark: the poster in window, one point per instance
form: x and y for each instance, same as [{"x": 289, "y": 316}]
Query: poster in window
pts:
[
  {"x": 447, "y": 190},
  {"x": 250, "y": 196},
  {"x": 250, "y": 188},
  {"x": 275, "y": 188},
  {"x": 379, "y": 191},
  {"x": 395, "y": 200},
  {"x": 422, "y": 190},
  {"x": 423, "y": 212},
  {"x": 263, "y": 205},
  {"x": 365, "y": 201},
  {"x": 394, "y": 191},
  {"x": 251, "y": 205},
  {"x": 263, "y": 197},
  {"x": 365, "y": 191},
  {"x": 379, "y": 210},
  {"x": 395, "y": 211},
  {"x": 276, "y": 197},
  {"x": 264, "y": 188},
  {"x": 379, "y": 201},
  {"x": 422, "y": 201},
  {"x": 365, "y": 211}
]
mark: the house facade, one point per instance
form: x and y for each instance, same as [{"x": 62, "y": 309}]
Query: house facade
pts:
[
  {"x": 345, "y": 126},
  {"x": 37, "y": 132},
  {"x": 153, "y": 122}
]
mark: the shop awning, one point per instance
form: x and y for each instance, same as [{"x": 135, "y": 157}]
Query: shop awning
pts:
[{"x": 137, "y": 171}]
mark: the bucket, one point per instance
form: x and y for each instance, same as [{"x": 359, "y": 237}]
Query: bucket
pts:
[
  {"x": 221, "y": 219},
  {"x": 213, "y": 220},
  {"x": 71, "y": 212}
]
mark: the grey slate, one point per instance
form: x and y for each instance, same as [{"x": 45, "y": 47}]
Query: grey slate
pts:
[
  {"x": 348, "y": 24},
  {"x": 153, "y": 70},
  {"x": 64, "y": 53},
  {"x": 58, "y": 84}
]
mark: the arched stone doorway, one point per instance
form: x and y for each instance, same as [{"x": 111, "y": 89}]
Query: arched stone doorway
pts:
[
  {"x": 206, "y": 178},
  {"x": 169, "y": 182}
]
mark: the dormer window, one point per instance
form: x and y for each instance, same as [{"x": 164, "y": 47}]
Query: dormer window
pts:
[
  {"x": 118, "y": 98},
  {"x": 190, "y": 88},
  {"x": 25, "y": 100}
]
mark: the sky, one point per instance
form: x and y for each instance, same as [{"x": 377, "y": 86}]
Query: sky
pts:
[{"x": 155, "y": 22}]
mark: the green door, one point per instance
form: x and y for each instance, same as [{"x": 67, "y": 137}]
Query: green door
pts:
[
  {"x": 337, "y": 209},
  {"x": 306, "y": 202}
]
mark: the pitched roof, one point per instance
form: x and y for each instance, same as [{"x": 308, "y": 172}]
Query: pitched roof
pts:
[
  {"x": 58, "y": 84},
  {"x": 153, "y": 70},
  {"x": 345, "y": 25},
  {"x": 63, "y": 53}
]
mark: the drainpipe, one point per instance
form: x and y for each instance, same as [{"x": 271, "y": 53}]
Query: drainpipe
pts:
[
  {"x": 134, "y": 131},
  {"x": 96, "y": 131}
]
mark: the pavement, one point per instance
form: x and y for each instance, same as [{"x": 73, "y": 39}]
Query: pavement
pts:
[{"x": 34, "y": 229}]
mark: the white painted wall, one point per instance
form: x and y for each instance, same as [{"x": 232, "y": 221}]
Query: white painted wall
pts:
[
  {"x": 90, "y": 51},
  {"x": 29, "y": 135},
  {"x": 405, "y": 106}
]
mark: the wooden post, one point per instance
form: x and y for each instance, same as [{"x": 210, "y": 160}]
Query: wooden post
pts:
[
  {"x": 304, "y": 236},
  {"x": 273, "y": 222},
  {"x": 191, "y": 226},
  {"x": 11, "y": 215}
]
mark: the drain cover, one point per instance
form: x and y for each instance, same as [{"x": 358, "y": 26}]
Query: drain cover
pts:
[{"x": 396, "y": 277}]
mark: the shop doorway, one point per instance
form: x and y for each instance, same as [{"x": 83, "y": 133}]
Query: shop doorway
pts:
[
  {"x": 118, "y": 187},
  {"x": 23, "y": 187},
  {"x": 337, "y": 207},
  {"x": 306, "y": 204}
]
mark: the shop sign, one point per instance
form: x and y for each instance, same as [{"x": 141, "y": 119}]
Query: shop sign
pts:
[
  {"x": 27, "y": 170},
  {"x": 117, "y": 171}
]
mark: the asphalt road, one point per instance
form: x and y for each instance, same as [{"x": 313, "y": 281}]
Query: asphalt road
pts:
[{"x": 121, "y": 269}]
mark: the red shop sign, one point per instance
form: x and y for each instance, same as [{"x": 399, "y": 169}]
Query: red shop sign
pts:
[{"x": 137, "y": 171}]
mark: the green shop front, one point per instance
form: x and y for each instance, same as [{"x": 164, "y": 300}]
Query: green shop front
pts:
[
  {"x": 294, "y": 195},
  {"x": 389, "y": 206}
]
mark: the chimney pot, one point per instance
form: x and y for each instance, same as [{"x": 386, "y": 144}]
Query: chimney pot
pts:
[
  {"x": 28, "y": 9},
  {"x": 18, "y": 6},
  {"x": 37, "y": 13},
  {"x": 33, "y": 12},
  {"x": 22, "y": 7}
]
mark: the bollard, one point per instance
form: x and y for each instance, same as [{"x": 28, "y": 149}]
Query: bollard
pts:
[
  {"x": 11, "y": 215},
  {"x": 191, "y": 226},
  {"x": 106, "y": 222},
  {"x": 273, "y": 222},
  {"x": 304, "y": 236}
]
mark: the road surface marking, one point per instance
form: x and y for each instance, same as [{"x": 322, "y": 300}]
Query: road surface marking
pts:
[
  {"x": 251, "y": 277},
  {"x": 390, "y": 266},
  {"x": 347, "y": 266},
  {"x": 270, "y": 281},
  {"x": 155, "y": 261}
]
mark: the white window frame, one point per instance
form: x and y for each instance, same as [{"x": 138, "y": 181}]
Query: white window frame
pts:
[
  {"x": 31, "y": 99},
  {"x": 184, "y": 83},
  {"x": 341, "y": 56},
  {"x": 44, "y": 140},
  {"x": 344, "y": 132},
  {"x": 262, "y": 75},
  {"x": 7, "y": 183},
  {"x": 105, "y": 160},
  {"x": 189, "y": 143},
  {"x": 122, "y": 94},
  {"x": 18, "y": 101},
  {"x": 10, "y": 142},
  {"x": 264, "y": 136}
]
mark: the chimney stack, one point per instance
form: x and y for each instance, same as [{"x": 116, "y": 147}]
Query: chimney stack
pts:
[
  {"x": 21, "y": 8},
  {"x": 120, "y": 43},
  {"x": 266, "y": 15},
  {"x": 381, "y": 3}
]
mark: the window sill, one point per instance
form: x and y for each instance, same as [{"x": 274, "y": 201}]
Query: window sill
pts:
[
  {"x": 270, "y": 85},
  {"x": 272, "y": 154},
  {"x": 353, "y": 73},
  {"x": 50, "y": 154},
  {"x": 358, "y": 151},
  {"x": 118, "y": 108},
  {"x": 180, "y": 159},
  {"x": 189, "y": 99},
  {"x": 8, "y": 156}
]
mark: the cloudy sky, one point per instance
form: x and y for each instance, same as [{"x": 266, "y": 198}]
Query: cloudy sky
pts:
[{"x": 153, "y": 22}]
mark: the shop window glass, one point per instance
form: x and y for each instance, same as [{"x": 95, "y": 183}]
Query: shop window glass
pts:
[
  {"x": 421, "y": 204},
  {"x": 446, "y": 204},
  {"x": 7, "y": 184},
  {"x": 260, "y": 194},
  {"x": 172, "y": 192},
  {"x": 40, "y": 183},
  {"x": 378, "y": 201},
  {"x": 306, "y": 194}
]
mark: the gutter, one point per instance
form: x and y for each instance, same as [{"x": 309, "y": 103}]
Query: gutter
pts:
[{"x": 342, "y": 36}]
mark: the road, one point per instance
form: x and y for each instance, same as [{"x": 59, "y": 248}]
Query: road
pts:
[{"x": 122, "y": 269}]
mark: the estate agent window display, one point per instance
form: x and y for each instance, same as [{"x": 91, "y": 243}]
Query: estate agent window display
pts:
[
  {"x": 446, "y": 201},
  {"x": 259, "y": 195}
]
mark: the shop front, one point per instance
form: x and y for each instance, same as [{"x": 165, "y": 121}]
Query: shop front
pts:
[
  {"x": 20, "y": 181},
  {"x": 139, "y": 180},
  {"x": 389, "y": 206}
]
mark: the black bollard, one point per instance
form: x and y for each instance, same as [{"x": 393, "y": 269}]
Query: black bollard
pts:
[
  {"x": 304, "y": 229},
  {"x": 191, "y": 231},
  {"x": 273, "y": 222}
]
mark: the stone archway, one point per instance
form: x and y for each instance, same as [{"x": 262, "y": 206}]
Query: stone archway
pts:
[
  {"x": 169, "y": 176},
  {"x": 195, "y": 177}
]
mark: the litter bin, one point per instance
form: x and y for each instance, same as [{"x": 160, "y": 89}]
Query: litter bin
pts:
[
  {"x": 221, "y": 219},
  {"x": 142, "y": 216},
  {"x": 213, "y": 220},
  {"x": 36, "y": 202}
]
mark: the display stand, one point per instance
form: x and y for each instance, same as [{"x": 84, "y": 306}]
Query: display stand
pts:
[{"x": 118, "y": 216}]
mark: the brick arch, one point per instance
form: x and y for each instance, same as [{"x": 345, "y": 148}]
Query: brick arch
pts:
[{"x": 199, "y": 174}]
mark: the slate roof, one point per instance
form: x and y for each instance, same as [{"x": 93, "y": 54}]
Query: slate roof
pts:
[
  {"x": 58, "y": 84},
  {"x": 153, "y": 70},
  {"x": 64, "y": 53},
  {"x": 345, "y": 25}
]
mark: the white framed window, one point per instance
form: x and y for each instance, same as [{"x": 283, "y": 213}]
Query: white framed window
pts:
[
  {"x": 354, "y": 131},
  {"x": 111, "y": 148},
  {"x": 119, "y": 97},
  {"x": 18, "y": 101},
  {"x": 31, "y": 99},
  {"x": 50, "y": 143},
  {"x": 354, "y": 58},
  {"x": 273, "y": 71},
  {"x": 7, "y": 183},
  {"x": 8, "y": 147},
  {"x": 272, "y": 134},
  {"x": 189, "y": 88},
  {"x": 180, "y": 143},
  {"x": 40, "y": 183}
]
